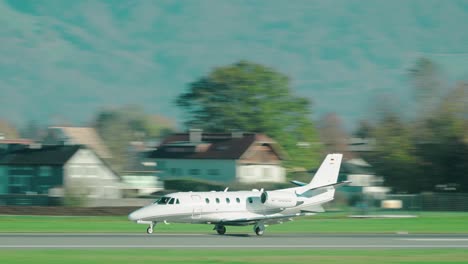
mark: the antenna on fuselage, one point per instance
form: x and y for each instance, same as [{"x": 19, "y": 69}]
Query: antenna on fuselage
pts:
[{"x": 227, "y": 188}]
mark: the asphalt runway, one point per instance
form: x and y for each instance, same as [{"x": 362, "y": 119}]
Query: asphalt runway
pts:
[{"x": 230, "y": 241}]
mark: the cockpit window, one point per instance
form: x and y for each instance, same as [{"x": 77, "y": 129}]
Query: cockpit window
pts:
[
  {"x": 177, "y": 201},
  {"x": 163, "y": 200},
  {"x": 171, "y": 201}
]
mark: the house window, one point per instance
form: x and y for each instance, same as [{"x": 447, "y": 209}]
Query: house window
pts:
[
  {"x": 44, "y": 189},
  {"x": 21, "y": 171},
  {"x": 19, "y": 184},
  {"x": 45, "y": 171},
  {"x": 161, "y": 165},
  {"x": 213, "y": 172},
  {"x": 194, "y": 172},
  {"x": 249, "y": 171},
  {"x": 176, "y": 172},
  {"x": 267, "y": 173}
]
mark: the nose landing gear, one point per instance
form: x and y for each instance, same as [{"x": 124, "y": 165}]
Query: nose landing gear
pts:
[{"x": 149, "y": 230}]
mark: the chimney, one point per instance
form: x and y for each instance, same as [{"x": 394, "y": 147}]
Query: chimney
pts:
[{"x": 195, "y": 135}]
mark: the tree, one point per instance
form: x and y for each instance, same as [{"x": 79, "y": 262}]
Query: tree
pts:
[
  {"x": 251, "y": 97},
  {"x": 118, "y": 127},
  {"x": 364, "y": 130},
  {"x": 426, "y": 80},
  {"x": 7, "y": 130},
  {"x": 394, "y": 156},
  {"x": 444, "y": 146},
  {"x": 334, "y": 136},
  {"x": 431, "y": 147},
  {"x": 32, "y": 130}
]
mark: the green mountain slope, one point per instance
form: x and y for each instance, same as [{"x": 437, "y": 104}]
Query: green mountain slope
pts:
[{"x": 63, "y": 60}]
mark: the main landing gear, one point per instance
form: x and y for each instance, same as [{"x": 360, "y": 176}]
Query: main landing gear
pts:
[
  {"x": 149, "y": 230},
  {"x": 259, "y": 229},
  {"x": 220, "y": 229}
]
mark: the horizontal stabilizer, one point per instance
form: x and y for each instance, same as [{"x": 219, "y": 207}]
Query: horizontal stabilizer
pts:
[
  {"x": 312, "y": 209},
  {"x": 298, "y": 183},
  {"x": 334, "y": 185}
]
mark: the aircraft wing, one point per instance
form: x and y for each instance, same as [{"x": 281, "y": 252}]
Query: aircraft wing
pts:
[{"x": 267, "y": 219}]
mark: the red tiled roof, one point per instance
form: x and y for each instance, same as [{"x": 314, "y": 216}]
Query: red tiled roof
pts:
[{"x": 21, "y": 141}]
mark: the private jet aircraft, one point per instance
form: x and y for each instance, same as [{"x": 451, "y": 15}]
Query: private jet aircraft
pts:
[{"x": 257, "y": 207}]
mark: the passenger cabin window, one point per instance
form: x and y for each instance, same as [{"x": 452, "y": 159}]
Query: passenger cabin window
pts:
[
  {"x": 207, "y": 200},
  {"x": 217, "y": 200},
  {"x": 250, "y": 200},
  {"x": 227, "y": 200},
  {"x": 237, "y": 200}
]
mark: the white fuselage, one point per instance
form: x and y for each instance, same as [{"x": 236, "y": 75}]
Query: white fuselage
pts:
[{"x": 224, "y": 207}]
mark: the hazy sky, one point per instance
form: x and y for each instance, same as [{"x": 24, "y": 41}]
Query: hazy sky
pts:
[{"x": 64, "y": 60}]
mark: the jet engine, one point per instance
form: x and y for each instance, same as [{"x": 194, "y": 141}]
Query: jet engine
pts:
[{"x": 278, "y": 199}]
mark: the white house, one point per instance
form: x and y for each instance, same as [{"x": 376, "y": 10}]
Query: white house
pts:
[
  {"x": 54, "y": 170},
  {"x": 221, "y": 157}
]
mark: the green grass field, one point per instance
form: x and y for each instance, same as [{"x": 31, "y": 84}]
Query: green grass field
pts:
[
  {"x": 136, "y": 256},
  {"x": 324, "y": 223}
]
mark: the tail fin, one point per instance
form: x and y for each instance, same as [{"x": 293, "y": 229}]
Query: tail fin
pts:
[
  {"x": 328, "y": 172},
  {"x": 325, "y": 180}
]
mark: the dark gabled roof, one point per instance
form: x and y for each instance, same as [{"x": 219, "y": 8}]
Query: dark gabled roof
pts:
[
  {"x": 46, "y": 155},
  {"x": 212, "y": 146}
]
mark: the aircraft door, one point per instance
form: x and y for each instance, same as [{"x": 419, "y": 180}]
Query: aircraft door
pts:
[{"x": 197, "y": 209}]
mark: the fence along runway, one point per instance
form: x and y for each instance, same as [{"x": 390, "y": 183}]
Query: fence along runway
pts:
[{"x": 230, "y": 241}]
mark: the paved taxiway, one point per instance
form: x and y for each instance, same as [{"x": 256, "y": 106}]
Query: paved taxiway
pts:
[{"x": 247, "y": 241}]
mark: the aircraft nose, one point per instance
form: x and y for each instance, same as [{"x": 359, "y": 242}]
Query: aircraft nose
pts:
[
  {"x": 133, "y": 216},
  {"x": 138, "y": 214}
]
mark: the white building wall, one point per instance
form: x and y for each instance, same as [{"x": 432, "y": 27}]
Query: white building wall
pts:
[
  {"x": 260, "y": 173},
  {"x": 210, "y": 170},
  {"x": 87, "y": 172}
]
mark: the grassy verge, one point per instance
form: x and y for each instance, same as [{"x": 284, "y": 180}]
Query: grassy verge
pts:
[
  {"x": 325, "y": 223},
  {"x": 232, "y": 256}
]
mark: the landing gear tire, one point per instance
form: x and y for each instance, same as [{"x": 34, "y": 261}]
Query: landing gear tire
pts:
[
  {"x": 221, "y": 230},
  {"x": 149, "y": 230},
  {"x": 259, "y": 230}
]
